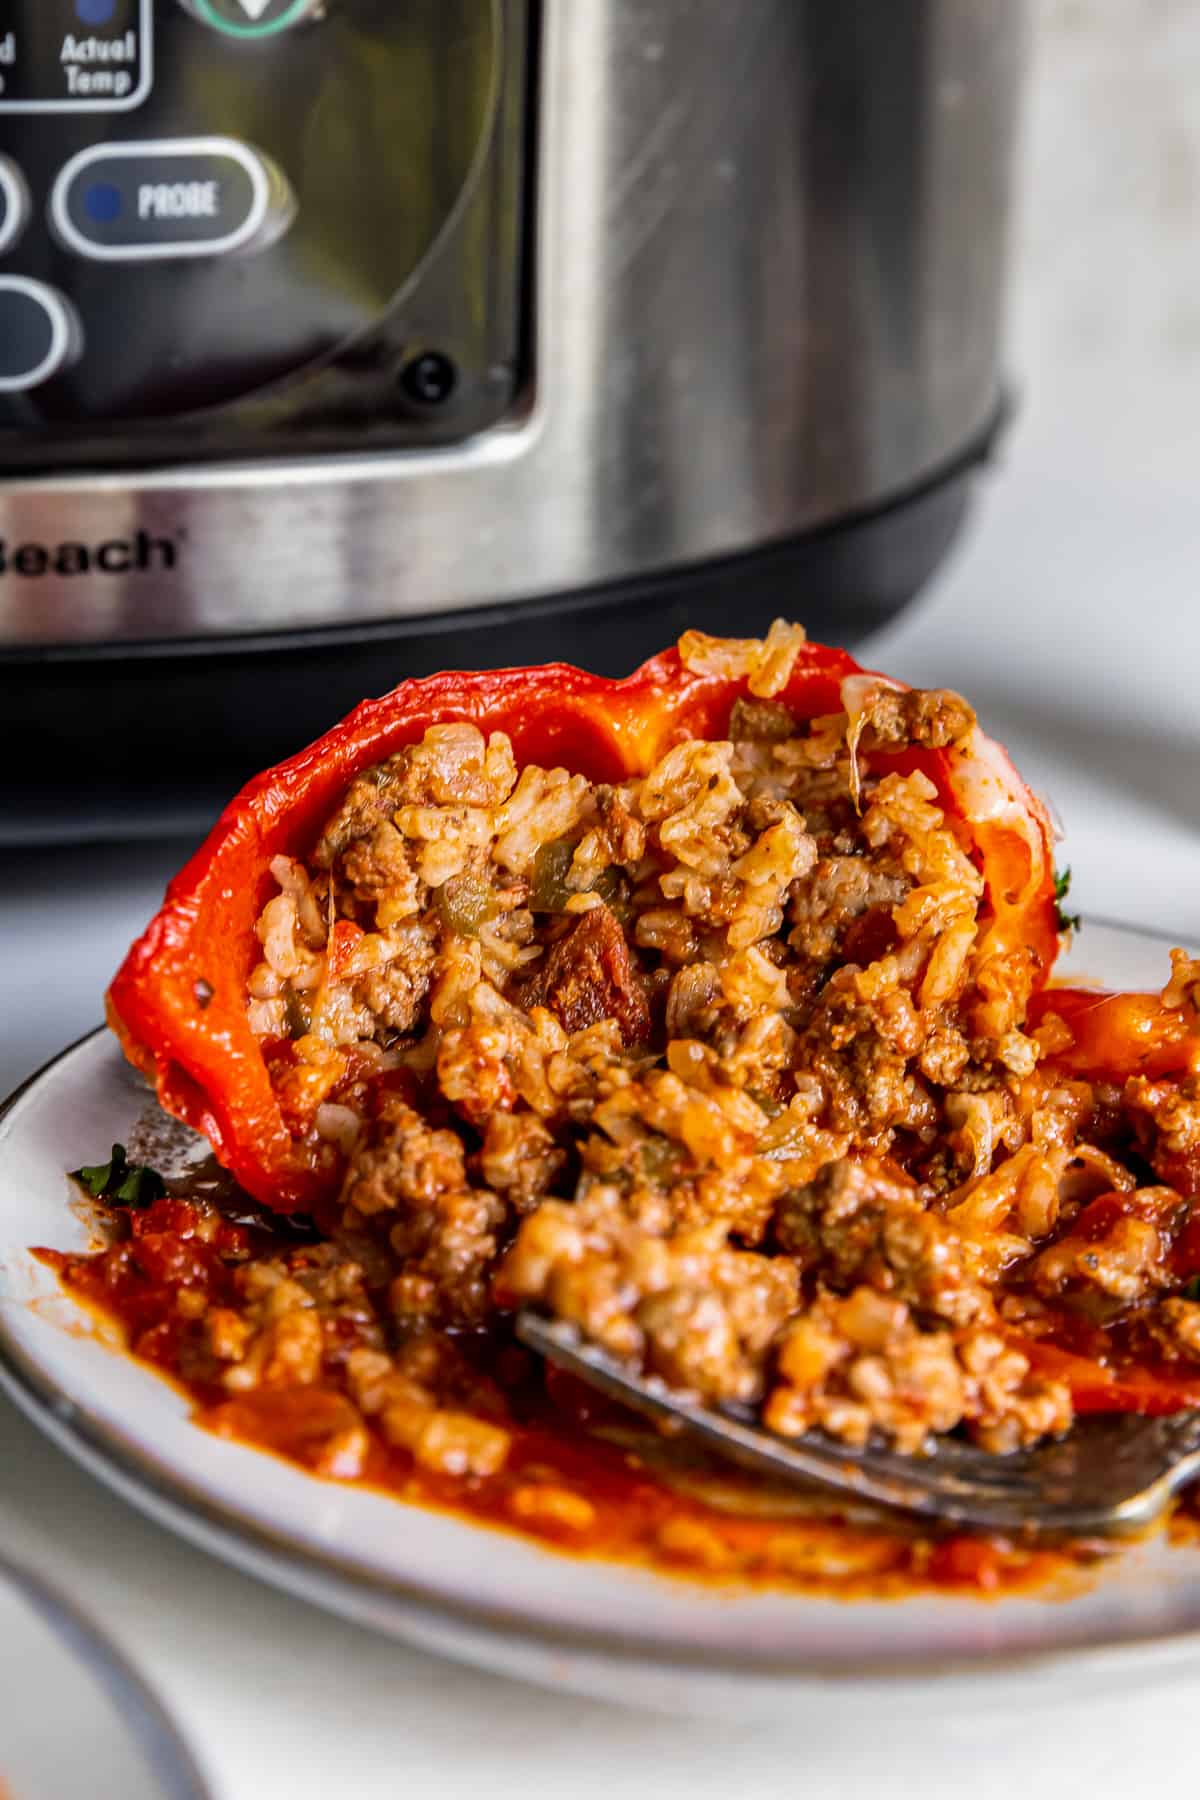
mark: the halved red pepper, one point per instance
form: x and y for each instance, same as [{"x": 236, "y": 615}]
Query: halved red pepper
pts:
[
  {"x": 1106, "y": 1386},
  {"x": 1117, "y": 1035},
  {"x": 179, "y": 1000}
]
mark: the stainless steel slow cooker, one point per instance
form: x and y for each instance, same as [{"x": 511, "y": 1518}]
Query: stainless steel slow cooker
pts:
[{"x": 345, "y": 339}]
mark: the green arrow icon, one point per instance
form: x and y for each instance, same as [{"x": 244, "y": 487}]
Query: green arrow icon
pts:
[{"x": 215, "y": 14}]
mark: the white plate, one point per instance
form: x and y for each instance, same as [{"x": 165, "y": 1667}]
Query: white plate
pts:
[
  {"x": 76, "y": 1719},
  {"x": 492, "y": 1598}
]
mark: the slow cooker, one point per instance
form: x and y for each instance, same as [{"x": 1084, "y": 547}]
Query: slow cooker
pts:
[{"x": 342, "y": 340}]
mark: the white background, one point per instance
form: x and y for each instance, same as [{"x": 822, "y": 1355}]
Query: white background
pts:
[{"x": 1069, "y": 616}]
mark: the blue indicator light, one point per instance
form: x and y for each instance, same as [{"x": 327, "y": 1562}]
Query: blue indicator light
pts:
[
  {"x": 95, "y": 12},
  {"x": 102, "y": 201}
]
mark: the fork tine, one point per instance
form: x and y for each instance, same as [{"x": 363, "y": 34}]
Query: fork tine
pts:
[
  {"x": 1111, "y": 1474},
  {"x": 903, "y": 1484}
]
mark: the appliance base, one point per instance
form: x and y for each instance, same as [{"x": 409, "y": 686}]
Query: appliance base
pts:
[{"x": 76, "y": 722}]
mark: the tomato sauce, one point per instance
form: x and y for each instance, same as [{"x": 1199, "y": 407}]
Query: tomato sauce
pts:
[{"x": 581, "y": 1476}]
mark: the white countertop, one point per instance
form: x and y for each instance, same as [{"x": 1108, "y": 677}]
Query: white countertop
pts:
[{"x": 1069, "y": 617}]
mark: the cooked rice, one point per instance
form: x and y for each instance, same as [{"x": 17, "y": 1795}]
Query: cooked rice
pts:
[{"x": 717, "y": 1063}]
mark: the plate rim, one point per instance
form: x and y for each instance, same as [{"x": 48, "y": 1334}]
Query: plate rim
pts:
[
  {"x": 324, "y": 1578},
  {"x": 150, "y": 1723}
]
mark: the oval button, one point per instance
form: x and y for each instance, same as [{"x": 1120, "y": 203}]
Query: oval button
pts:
[
  {"x": 253, "y": 18},
  {"x": 169, "y": 197},
  {"x": 38, "y": 333},
  {"x": 14, "y": 204}
]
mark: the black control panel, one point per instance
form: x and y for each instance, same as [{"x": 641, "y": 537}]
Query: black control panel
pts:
[{"x": 258, "y": 226}]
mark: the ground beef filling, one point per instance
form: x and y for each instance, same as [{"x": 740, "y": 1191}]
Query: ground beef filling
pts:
[{"x": 711, "y": 1064}]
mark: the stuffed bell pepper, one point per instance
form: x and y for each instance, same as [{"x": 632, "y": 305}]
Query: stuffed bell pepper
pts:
[{"x": 707, "y": 1010}]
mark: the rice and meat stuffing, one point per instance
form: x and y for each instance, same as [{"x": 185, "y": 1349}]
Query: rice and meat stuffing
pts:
[{"x": 713, "y": 1063}]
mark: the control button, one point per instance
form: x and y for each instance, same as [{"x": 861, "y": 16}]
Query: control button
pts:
[
  {"x": 14, "y": 204},
  {"x": 253, "y": 18},
  {"x": 169, "y": 197},
  {"x": 39, "y": 333},
  {"x": 80, "y": 56}
]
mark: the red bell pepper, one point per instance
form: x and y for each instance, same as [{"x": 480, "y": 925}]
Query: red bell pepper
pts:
[
  {"x": 178, "y": 1002},
  {"x": 1117, "y": 1035}
]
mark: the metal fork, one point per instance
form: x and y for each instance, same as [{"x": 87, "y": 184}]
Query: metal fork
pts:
[{"x": 1112, "y": 1473}]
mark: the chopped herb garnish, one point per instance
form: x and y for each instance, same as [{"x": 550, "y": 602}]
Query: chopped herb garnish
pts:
[
  {"x": 121, "y": 1182},
  {"x": 1190, "y": 1289},
  {"x": 1062, "y": 887}
]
